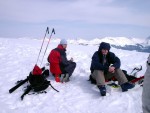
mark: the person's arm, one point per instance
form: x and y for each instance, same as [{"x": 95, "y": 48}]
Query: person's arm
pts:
[
  {"x": 115, "y": 61},
  {"x": 64, "y": 60},
  {"x": 111, "y": 69},
  {"x": 96, "y": 64}
]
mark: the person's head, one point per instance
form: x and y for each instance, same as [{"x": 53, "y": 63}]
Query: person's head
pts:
[
  {"x": 104, "y": 48},
  {"x": 63, "y": 42}
]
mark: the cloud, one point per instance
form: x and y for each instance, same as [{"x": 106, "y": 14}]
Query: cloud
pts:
[{"x": 95, "y": 11}]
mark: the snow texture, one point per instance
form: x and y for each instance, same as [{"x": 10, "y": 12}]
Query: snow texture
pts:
[{"x": 18, "y": 57}]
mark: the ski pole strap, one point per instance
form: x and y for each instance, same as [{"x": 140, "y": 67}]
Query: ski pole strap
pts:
[{"x": 53, "y": 87}]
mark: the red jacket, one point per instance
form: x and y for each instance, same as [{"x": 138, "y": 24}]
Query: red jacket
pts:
[{"x": 55, "y": 59}]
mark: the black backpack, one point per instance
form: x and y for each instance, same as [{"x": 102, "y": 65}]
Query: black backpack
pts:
[{"x": 38, "y": 82}]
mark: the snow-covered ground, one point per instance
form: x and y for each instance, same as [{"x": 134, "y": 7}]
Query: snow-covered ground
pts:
[{"x": 18, "y": 57}]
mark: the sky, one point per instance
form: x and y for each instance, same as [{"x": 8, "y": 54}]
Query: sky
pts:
[{"x": 73, "y": 19}]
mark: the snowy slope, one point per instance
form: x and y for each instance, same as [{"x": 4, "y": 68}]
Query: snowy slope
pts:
[{"x": 17, "y": 58}]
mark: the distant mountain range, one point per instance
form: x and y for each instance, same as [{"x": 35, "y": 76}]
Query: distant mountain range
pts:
[
  {"x": 137, "y": 47},
  {"x": 141, "y": 45}
]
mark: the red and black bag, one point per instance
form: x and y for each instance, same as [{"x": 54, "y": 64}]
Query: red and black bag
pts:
[{"x": 37, "y": 79}]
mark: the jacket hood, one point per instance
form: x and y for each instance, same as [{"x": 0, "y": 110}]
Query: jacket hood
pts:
[{"x": 104, "y": 45}]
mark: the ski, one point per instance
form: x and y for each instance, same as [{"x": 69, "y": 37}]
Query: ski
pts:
[
  {"x": 138, "y": 80},
  {"x": 18, "y": 85}
]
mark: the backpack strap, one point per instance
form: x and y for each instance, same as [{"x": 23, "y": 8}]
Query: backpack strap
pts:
[
  {"x": 26, "y": 92},
  {"x": 53, "y": 87},
  {"x": 37, "y": 92},
  {"x": 59, "y": 50}
]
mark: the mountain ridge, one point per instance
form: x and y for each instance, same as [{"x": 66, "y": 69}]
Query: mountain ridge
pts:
[{"x": 140, "y": 45}]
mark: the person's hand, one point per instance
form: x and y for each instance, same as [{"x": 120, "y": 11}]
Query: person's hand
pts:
[
  {"x": 111, "y": 69},
  {"x": 47, "y": 64},
  {"x": 57, "y": 79}
]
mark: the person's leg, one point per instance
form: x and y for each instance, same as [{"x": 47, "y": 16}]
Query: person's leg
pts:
[
  {"x": 70, "y": 68},
  {"x": 120, "y": 76},
  {"x": 100, "y": 81},
  {"x": 108, "y": 76},
  {"x": 122, "y": 80},
  {"x": 99, "y": 77}
]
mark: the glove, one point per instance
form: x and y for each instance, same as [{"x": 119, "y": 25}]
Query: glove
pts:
[{"x": 57, "y": 79}]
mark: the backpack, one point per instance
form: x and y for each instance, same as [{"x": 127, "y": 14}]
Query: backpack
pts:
[{"x": 38, "y": 82}]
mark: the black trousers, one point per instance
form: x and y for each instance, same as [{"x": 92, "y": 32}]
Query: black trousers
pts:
[{"x": 69, "y": 68}]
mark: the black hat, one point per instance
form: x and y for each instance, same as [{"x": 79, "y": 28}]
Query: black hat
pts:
[{"x": 104, "y": 45}]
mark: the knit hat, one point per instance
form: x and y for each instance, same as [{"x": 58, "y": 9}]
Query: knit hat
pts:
[
  {"x": 63, "y": 41},
  {"x": 104, "y": 45}
]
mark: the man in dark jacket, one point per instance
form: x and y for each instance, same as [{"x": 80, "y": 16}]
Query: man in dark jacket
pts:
[
  {"x": 106, "y": 65},
  {"x": 60, "y": 67}
]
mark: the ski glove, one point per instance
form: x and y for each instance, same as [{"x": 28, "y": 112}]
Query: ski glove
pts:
[{"x": 57, "y": 79}]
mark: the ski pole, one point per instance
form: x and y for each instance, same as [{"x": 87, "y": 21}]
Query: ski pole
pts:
[
  {"x": 53, "y": 31},
  {"x": 47, "y": 31},
  {"x": 137, "y": 70}
]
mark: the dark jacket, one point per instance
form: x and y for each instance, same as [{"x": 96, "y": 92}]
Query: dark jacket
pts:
[
  {"x": 97, "y": 59},
  {"x": 58, "y": 60}
]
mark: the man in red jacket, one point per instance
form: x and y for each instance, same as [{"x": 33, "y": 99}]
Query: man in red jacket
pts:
[{"x": 60, "y": 66}]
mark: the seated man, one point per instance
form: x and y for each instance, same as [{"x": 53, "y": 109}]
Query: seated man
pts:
[
  {"x": 106, "y": 65},
  {"x": 60, "y": 67}
]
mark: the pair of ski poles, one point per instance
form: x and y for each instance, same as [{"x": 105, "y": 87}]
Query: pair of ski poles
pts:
[
  {"x": 47, "y": 32},
  {"x": 137, "y": 69}
]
